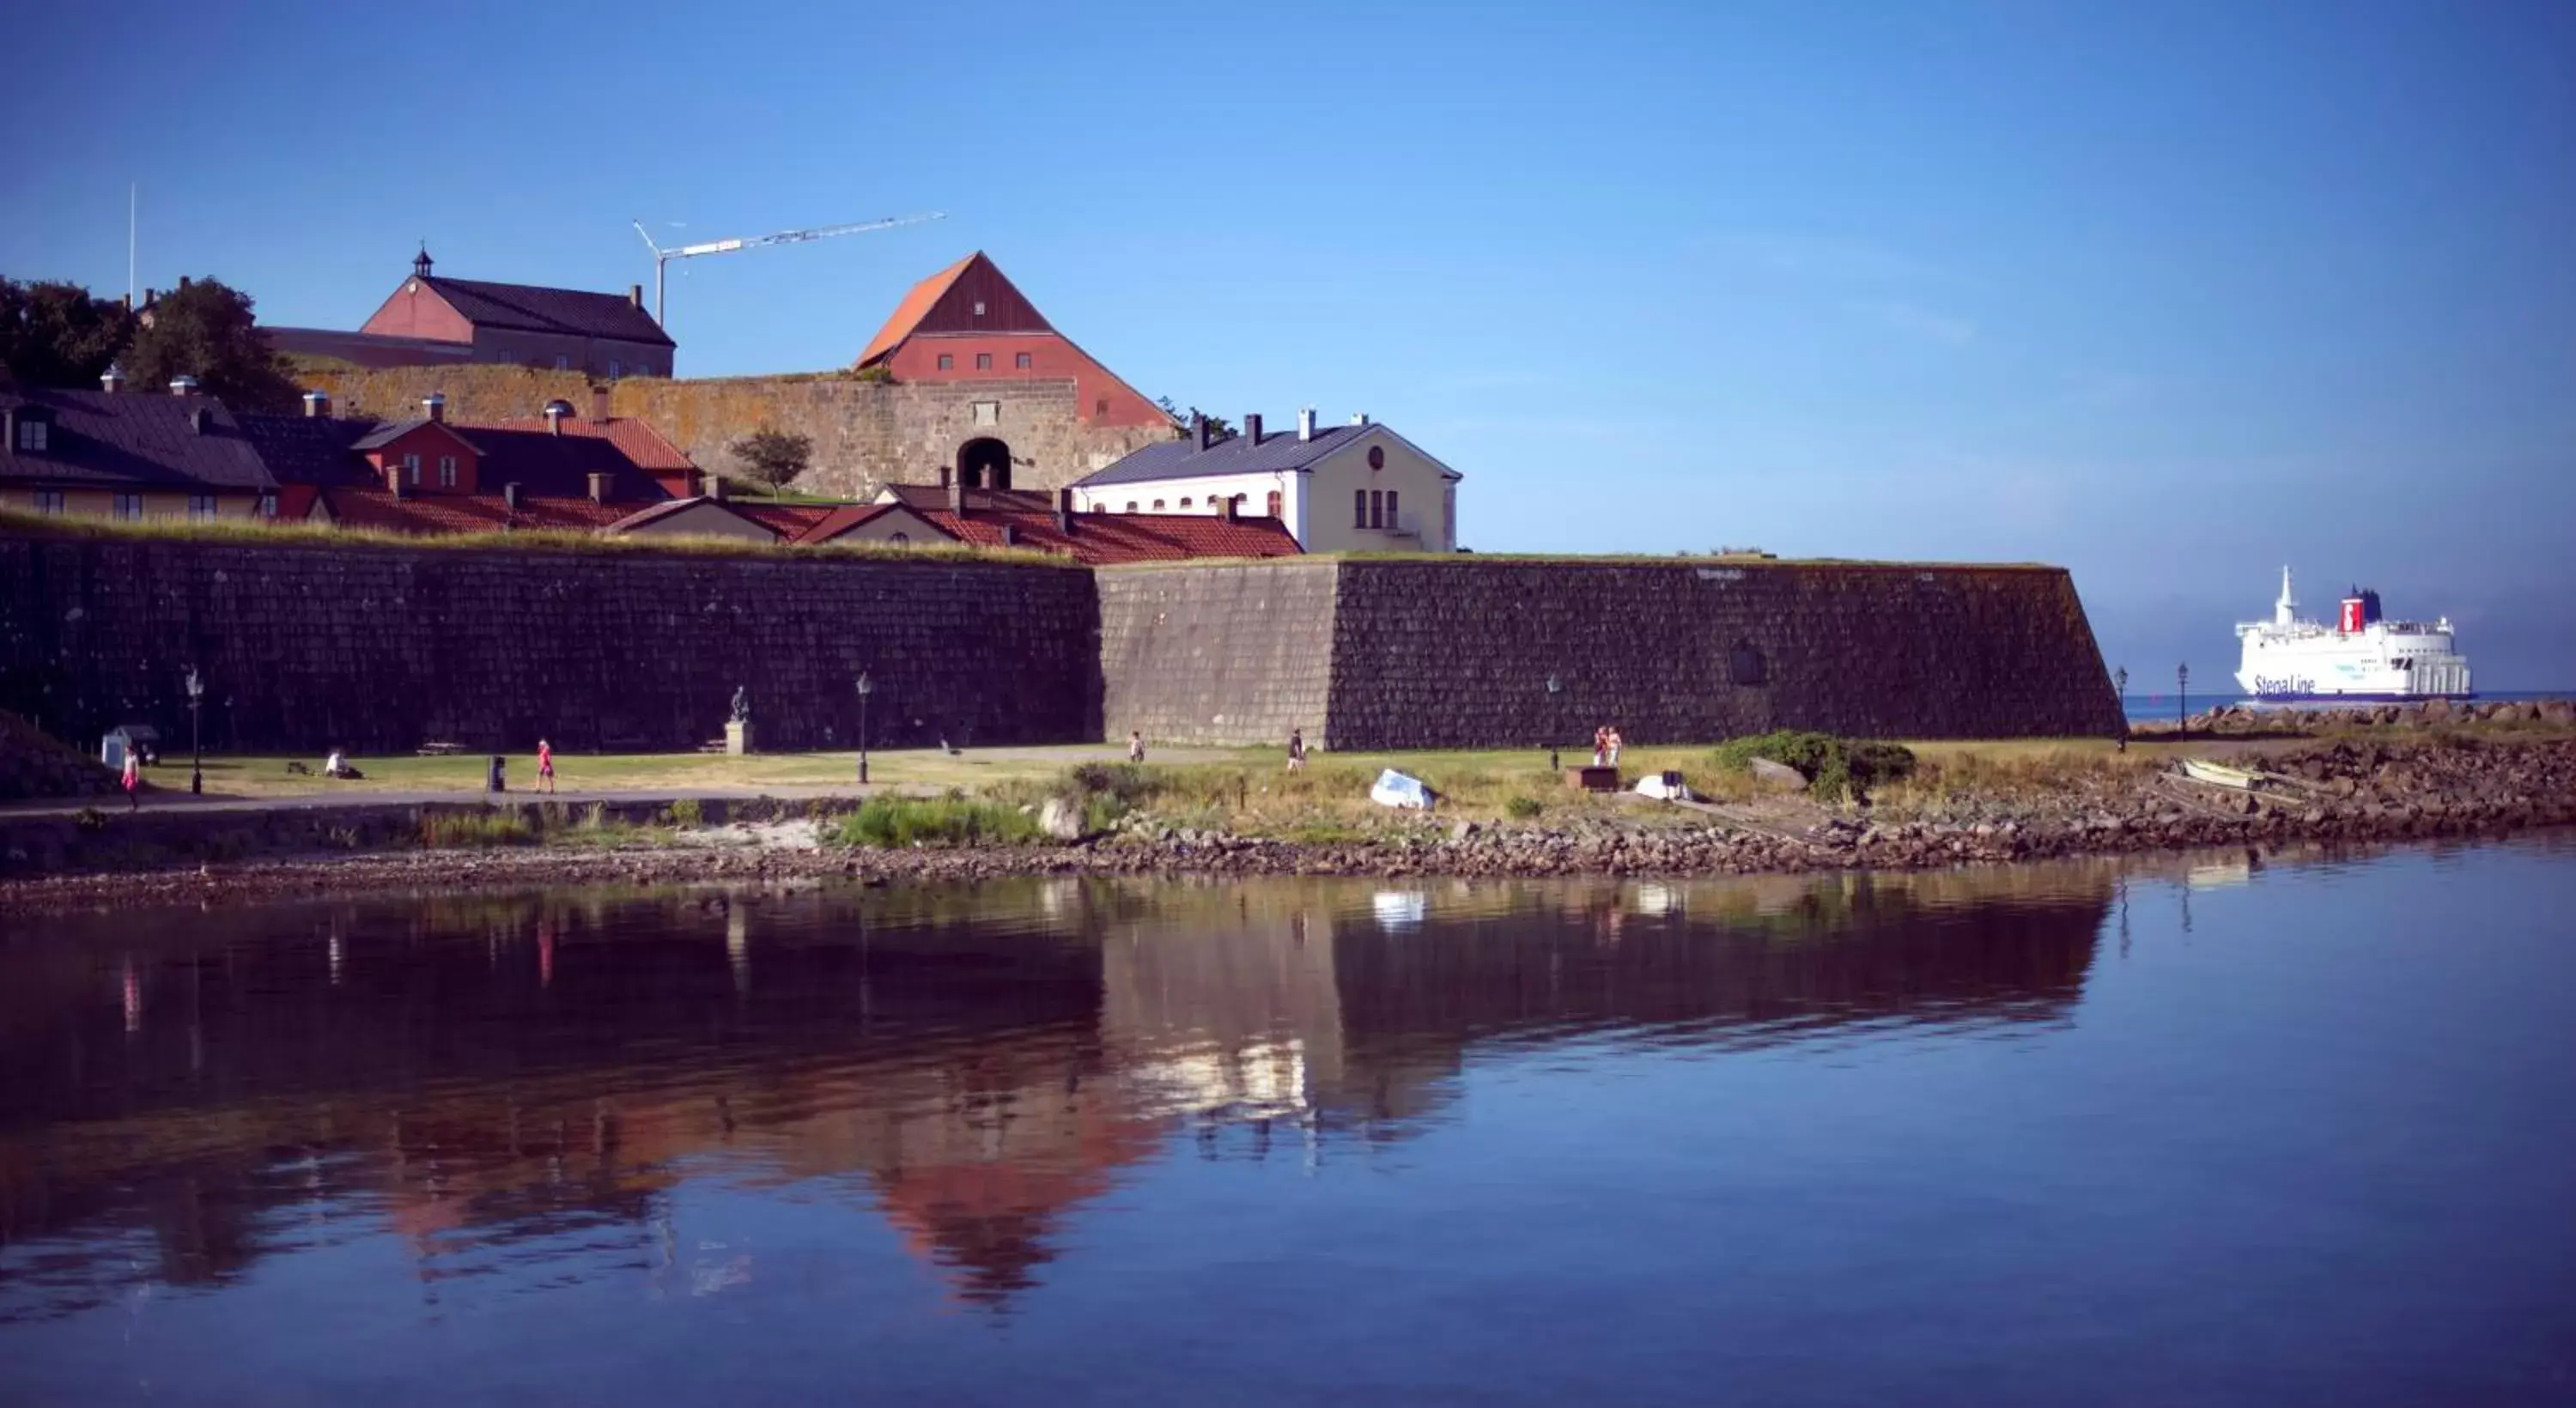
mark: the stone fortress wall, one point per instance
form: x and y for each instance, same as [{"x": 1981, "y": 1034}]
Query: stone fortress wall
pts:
[
  {"x": 381, "y": 648},
  {"x": 866, "y": 434},
  {"x": 1457, "y": 652}
]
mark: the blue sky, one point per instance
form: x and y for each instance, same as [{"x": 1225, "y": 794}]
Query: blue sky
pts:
[{"x": 2171, "y": 294}]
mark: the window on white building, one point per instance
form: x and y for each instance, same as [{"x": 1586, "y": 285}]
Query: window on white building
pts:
[
  {"x": 1391, "y": 520},
  {"x": 31, "y": 436},
  {"x": 201, "y": 506},
  {"x": 49, "y": 501},
  {"x": 268, "y": 505},
  {"x": 1359, "y": 508},
  {"x": 563, "y": 363},
  {"x": 1185, "y": 503},
  {"x": 129, "y": 505}
]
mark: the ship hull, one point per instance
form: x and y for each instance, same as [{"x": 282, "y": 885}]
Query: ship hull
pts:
[{"x": 2326, "y": 698}]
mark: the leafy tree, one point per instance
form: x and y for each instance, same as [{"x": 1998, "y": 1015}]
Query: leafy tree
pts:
[
  {"x": 55, "y": 334},
  {"x": 774, "y": 457},
  {"x": 1219, "y": 428},
  {"x": 205, "y": 330}
]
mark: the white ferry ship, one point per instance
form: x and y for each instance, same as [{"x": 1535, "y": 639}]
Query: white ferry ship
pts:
[{"x": 2361, "y": 657}]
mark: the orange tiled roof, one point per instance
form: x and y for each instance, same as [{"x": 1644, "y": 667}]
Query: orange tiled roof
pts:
[
  {"x": 637, "y": 440},
  {"x": 915, "y": 306},
  {"x": 464, "y": 513},
  {"x": 1098, "y": 539}
]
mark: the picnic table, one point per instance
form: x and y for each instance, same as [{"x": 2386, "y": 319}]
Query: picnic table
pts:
[{"x": 439, "y": 750}]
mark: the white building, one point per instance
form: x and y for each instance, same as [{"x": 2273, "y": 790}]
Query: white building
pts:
[{"x": 1343, "y": 488}]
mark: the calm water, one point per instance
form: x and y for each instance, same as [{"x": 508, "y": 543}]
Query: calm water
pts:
[{"x": 2214, "y": 1132}]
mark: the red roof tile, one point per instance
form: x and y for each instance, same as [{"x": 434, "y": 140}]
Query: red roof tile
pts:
[
  {"x": 915, "y": 306},
  {"x": 464, "y": 513},
  {"x": 638, "y": 439},
  {"x": 1098, "y": 539}
]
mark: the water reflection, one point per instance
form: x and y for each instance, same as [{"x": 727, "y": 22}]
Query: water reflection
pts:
[{"x": 519, "y": 1086}]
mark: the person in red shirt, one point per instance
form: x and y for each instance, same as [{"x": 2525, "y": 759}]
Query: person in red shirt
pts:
[{"x": 545, "y": 766}]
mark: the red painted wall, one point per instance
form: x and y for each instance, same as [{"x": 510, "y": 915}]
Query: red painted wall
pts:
[
  {"x": 1105, "y": 400},
  {"x": 415, "y": 310},
  {"x": 429, "y": 442}
]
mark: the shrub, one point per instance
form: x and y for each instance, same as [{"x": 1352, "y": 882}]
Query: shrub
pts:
[
  {"x": 686, "y": 813},
  {"x": 1835, "y": 768},
  {"x": 485, "y": 827},
  {"x": 1523, "y": 808},
  {"x": 90, "y": 819},
  {"x": 895, "y": 822}
]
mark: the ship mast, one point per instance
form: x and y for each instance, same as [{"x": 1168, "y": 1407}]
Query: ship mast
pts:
[{"x": 2282, "y": 610}]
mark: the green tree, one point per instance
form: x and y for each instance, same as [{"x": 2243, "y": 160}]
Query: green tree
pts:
[
  {"x": 55, "y": 334},
  {"x": 773, "y": 457},
  {"x": 1219, "y": 428},
  {"x": 205, "y": 330}
]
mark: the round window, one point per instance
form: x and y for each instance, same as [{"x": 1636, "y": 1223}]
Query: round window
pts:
[{"x": 1377, "y": 457}]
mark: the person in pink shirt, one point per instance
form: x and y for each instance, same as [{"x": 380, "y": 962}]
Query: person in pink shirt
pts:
[
  {"x": 132, "y": 781},
  {"x": 545, "y": 766}
]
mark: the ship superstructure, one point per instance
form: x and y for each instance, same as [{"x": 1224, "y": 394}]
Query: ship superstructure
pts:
[{"x": 2361, "y": 656}]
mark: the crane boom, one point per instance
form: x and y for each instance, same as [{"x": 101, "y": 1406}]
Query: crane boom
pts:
[{"x": 663, "y": 257}]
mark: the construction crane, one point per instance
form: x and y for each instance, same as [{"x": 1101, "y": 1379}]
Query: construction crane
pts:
[{"x": 662, "y": 257}]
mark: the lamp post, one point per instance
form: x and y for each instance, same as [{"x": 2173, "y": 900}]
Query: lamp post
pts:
[
  {"x": 1555, "y": 687},
  {"x": 2182, "y": 698},
  {"x": 866, "y": 687},
  {"x": 196, "y": 752},
  {"x": 2120, "y": 681}
]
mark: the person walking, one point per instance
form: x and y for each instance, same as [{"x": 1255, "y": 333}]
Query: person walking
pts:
[
  {"x": 1601, "y": 746},
  {"x": 132, "y": 781},
  {"x": 1296, "y": 750},
  {"x": 494, "y": 781},
  {"x": 1610, "y": 741},
  {"x": 545, "y": 767},
  {"x": 1135, "y": 745}
]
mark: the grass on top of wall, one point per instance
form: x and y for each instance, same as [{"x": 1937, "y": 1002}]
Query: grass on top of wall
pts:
[
  {"x": 1604, "y": 559},
  {"x": 249, "y": 532}
]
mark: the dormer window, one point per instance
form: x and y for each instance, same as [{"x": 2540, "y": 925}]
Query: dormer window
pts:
[{"x": 34, "y": 431}]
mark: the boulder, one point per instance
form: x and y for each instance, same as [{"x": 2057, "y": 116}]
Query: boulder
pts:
[
  {"x": 1777, "y": 777},
  {"x": 1060, "y": 819}
]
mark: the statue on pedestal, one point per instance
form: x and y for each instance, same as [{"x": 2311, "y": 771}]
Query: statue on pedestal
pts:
[{"x": 741, "y": 704}]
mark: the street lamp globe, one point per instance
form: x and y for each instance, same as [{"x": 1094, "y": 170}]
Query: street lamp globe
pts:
[{"x": 866, "y": 687}]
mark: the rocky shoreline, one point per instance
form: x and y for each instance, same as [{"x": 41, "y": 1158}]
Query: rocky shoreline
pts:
[{"x": 2351, "y": 791}]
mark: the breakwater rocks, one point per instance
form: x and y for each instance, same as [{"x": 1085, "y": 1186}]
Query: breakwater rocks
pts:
[
  {"x": 2346, "y": 792},
  {"x": 2242, "y": 720}
]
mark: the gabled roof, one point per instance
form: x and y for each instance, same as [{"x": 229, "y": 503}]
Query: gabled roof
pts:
[
  {"x": 1277, "y": 451},
  {"x": 464, "y": 513},
  {"x": 310, "y": 449},
  {"x": 673, "y": 507},
  {"x": 134, "y": 438},
  {"x": 392, "y": 431},
  {"x": 557, "y": 310},
  {"x": 1098, "y": 539},
  {"x": 969, "y": 296},
  {"x": 636, "y": 439}
]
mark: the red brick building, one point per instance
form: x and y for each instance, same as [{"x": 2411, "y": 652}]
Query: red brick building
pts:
[
  {"x": 969, "y": 324},
  {"x": 431, "y": 320}
]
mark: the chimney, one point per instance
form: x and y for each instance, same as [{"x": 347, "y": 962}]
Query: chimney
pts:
[
  {"x": 434, "y": 406},
  {"x": 714, "y": 485},
  {"x": 112, "y": 380},
  {"x": 1252, "y": 429},
  {"x": 1359, "y": 418},
  {"x": 1064, "y": 512},
  {"x": 317, "y": 403},
  {"x": 394, "y": 476},
  {"x": 634, "y": 295},
  {"x": 956, "y": 493},
  {"x": 599, "y": 488},
  {"x": 944, "y": 472},
  {"x": 599, "y": 403},
  {"x": 183, "y": 385},
  {"x": 556, "y": 410},
  {"x": 1010, "y": 536},
  {"x": 197, "y": 419},
  {"x": 1225, "y": 508},
  {"x": 183, "y": 283},
  {"x": 510, "y": 496},
  {"x": 1306, "y": 424},
  {"x": 1201, "y": 431}
]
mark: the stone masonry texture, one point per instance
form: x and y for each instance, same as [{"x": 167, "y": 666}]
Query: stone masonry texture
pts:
[
  {"x": 380, "y": 649},
  {"x": 1456, "y": 654},
  {"x": 1217, "y": 653},
  {"x": 866, "y": 434}
]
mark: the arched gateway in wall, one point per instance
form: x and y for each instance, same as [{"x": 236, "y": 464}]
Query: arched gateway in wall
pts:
[{"x": 984, "y": 463}]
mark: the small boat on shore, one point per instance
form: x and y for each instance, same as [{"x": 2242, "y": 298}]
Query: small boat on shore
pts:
[{"x": 2201, "y": 770}]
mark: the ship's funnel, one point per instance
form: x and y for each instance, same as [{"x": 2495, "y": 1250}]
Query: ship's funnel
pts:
[{"x": 2283, "y": 611}]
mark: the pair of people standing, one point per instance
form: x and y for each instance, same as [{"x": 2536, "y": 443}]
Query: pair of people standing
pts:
[{"x": 1605, "y": 746}]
